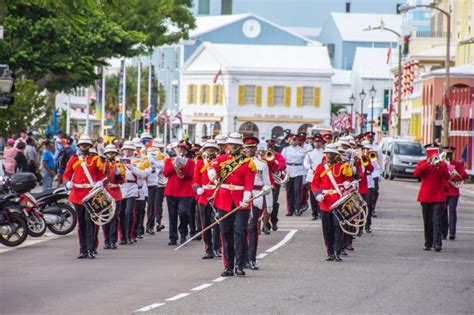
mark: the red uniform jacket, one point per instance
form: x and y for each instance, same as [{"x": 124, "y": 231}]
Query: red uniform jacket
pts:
[
  {"x": 75, "y": 173},
  {"x": 462, "y": 175},
  {"x": 341, "y": 172},
  {"x": 277, "y": 165},
  {"x": 363, "y": 185},
  {"x": 201, "y": 179},
  {"x": 433, "y": 181},
  {"x": 179, "y": 187},
  {"x": 244, "y": 176},
  {"x": 113, "y": 181}
]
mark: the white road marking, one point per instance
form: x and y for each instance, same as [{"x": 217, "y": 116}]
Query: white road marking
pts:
[
  {"x": 178, "y": 296},
  {"x": 149, "y": 307},
  {"x": 261, "y": 256},
  {"x": 220, "y": 279},
  {"x": 413, "y": 230},
  {"x": 202, "y": 287},
  {"x": 454, "y": 260},
  {"x": 285, "y": 240}
]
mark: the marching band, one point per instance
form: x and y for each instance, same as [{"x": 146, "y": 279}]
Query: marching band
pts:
[{"x": 226, "y": 192}]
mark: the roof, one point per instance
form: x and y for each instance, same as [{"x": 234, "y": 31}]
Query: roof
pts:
[
  {"x": 463, "y": 70},
  {"x": 341, "y": 77},
  {"x": 371, "y": 63},
  {"x": 206, "y": 24},
  {"x": 77, "y": 115},
  {"x": 435, "y": 52},
  {"x": 309, "y": 32},
  {"x": 260, "y": 58},
  {"x": 351, "y": 26}
]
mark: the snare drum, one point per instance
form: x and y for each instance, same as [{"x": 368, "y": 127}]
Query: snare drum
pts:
[
  {"x": 100, "y": 205},
  {"x": 350, "y": 210}
]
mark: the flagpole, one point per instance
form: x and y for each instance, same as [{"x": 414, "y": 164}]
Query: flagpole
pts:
[
  {"x": 138, "y": 93},
  {"x": 102, "y": 117},
  {"x": 149, "y": 90},
  {"x": 88, "y": 110},
  {"x": 124, "y": 92}
]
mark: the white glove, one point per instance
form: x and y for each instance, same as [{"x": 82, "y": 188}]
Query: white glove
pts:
[
  {"x": 347, "y": 184},
  {"x": 269, "y": 210},
  {"x": 117, "y": 171},
  {"x": 245, "y": 202},
  {"x": 211, "y": 173},
  {"x": 319, "y": 197},
  {"x": 355, "y": 184},
  {"x": 199, "y": 191},
  {"x": 69, "y": 185},
  {"x": 99, "y": 184}
]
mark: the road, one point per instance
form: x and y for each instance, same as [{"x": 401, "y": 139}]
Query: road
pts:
[{"x": 387, "y": 273}]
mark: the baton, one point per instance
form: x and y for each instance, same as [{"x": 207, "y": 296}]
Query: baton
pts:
[{"x": 265, "y": 191}]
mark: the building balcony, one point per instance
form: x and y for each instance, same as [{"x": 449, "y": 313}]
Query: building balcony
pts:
[{"x": 431, "y": 34}]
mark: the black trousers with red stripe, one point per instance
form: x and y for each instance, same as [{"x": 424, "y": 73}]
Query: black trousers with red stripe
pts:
[
  {"x": 331, "y": 232},
  {"x": 85, "y": 229},
  {"x": 211, "y": 237},
  {"x": 253, "y": 230},
  {"x": 233, "y": 235},
  {"x": 110, "y": 229},
  {"x": 126, "y": 218},
  {"x": 293, "y": 191}
]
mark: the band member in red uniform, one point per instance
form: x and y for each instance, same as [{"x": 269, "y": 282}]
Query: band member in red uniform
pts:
[
  {"x": 83, "y": 172},
  {"x": 329, "y": 176},
  {"x": 277, "y": 166},
  {"x": 204, "y": 189},
  {"x": 457, "y": 175},
  {"x": 115, "y": 173},
  {"x": 179, "y": 193},
  {"x": 235, "y": 174},
  {"x": 433, "y": 174}
]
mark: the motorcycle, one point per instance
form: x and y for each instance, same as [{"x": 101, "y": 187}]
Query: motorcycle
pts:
[
  {"x": 60, "y": 217},
  {"x": 13, "y": 226}
]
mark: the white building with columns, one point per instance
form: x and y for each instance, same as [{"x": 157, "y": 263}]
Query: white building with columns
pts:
[{"x": 257, "y": 90}]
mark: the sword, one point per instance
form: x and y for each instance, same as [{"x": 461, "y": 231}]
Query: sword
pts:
[{"x": 265, "y": 191}]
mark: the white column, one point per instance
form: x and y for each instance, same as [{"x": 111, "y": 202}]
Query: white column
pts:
[{"x": 124, "y": 117}]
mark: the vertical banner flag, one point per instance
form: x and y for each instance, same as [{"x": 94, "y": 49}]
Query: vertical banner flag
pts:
[
  {"x": 98, "y": 89},
  {"x": 120, "y": 93},
  {"x": 152, "y": 103}
]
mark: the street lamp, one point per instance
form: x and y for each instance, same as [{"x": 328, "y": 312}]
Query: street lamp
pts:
[
  {"x": 352, "y": 100},
  {"x": 362, "y": 97},
  {"x": 372, "y": 93},
  {"x": 405, "y": 8},
  {"x": 399, "y": 82}
]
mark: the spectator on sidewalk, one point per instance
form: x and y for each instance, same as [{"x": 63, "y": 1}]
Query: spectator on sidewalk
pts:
[
  {"x": 32, "y": 156},
  {"x": 47, "y": 161},
  {"x": 66, "y": 153},
  {"x": 23, "y": 137},
  {"x": 20, "y": 158},
  {"x": 9, "y": 153},
  {"x": 59, "y": 144}
]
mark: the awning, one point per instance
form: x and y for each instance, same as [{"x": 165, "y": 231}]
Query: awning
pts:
[
  {"x": 206, "y": 118},
  {"x": 281, "y": 120}
]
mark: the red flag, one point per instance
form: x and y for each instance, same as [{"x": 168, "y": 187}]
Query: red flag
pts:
[
  {"x": 179, "y": 117},
  {"x": 216, "y": 77},
  {"x": 389, "y": 54}
]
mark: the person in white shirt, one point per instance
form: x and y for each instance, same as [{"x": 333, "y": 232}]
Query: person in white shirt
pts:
[
  {"x": 294, "y": 156},
  {"x": 311, "y": 160},
  {"x": 370, "y": 136}
]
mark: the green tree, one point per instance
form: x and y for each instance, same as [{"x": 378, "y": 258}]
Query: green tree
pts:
[{"x": 29, "y": 110}]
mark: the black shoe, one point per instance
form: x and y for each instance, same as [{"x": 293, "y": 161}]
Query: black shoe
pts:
[
  {"x": 183, "y": 239},
  {"x": 94, "y": 252},
  {"x": 246, "y": 266},
  {"x": 253, "y": 265},
  {"x": 452, "y": 237},
  {"x": 289, "y": 214},
  {"x": 330, "y": 257},
  {"x": 266, "y": 230},
  {"x": 368, "y": 231},
  {"x": 198, "y": 238},
  {"x": 239, "y": 272},
  {"x": 337, "y": 257},
  {"x": 217, "y": 253},
  {"x": 107, "y": 246},
  {"x": 114, "y": 246},
  {"x": 360, "y": 232},
  {"x": 173, "y": 242},
  {"x": 314, "y": 218},
  {"x": 437, "y": 248},
  {"x": 139, "y": 236},
  {"x": 123, "y": 242},
  {"x": 130, "y": 242},
  {"x": 134, "y": 240},
  {"x": 150, "y": 231},
  {"x": 374, "y": 215},
  {"x": 274, "y": 226},
  {"x": 298, "y": 213},
  {"x": 227, "y": 273},
  {"x": 82, "y": 256},
  {"x": 90, "y": 255},
  {"x": 208, "y": 256},
  {"x": 349, "y": 247},
  {"x": 343, "y": 253},
  {"x": 427, "y": 248}
]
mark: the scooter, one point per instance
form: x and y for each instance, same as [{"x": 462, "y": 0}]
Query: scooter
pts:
[{"x": 13, "y": 226}]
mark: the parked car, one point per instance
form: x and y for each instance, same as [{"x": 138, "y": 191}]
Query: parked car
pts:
[{"x": 401, "y": 157}]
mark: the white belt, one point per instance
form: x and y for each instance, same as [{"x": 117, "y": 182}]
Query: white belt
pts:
[
  {"x": 113, "y": 185},
  {"x": 82, "y": 185},
  {"x": 232, "y": 187},
  {"x": 209, "y": 186},
  {"x": 329, "y": 192}
]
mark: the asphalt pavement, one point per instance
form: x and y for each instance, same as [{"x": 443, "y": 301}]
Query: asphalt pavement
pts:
[{"x": 387, "y": 273}]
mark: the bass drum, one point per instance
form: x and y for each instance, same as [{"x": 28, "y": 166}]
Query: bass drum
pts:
[{"x": 351, "y": 212}]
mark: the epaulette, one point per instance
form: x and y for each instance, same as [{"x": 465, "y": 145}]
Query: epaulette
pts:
[
  {"x": 252, "y": 165},
  {"x": 346, "y": 169}
]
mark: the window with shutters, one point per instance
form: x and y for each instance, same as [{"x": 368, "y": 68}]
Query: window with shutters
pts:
[
  {"x": 278, "y": 95},
  {"x": 217, "y": 94},
  {"x": 308, "y": 96},
  {"x": 204, "y": 94},
  {"x": 192, "y": 91},
  {"x": 250, "y": 94}
]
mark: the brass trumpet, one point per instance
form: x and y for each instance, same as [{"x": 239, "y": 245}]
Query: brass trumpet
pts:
[
  {"x": 373, "y": 156},
  {"x": 365, "y": 160},
  {"x": 268, "y": 155}
]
